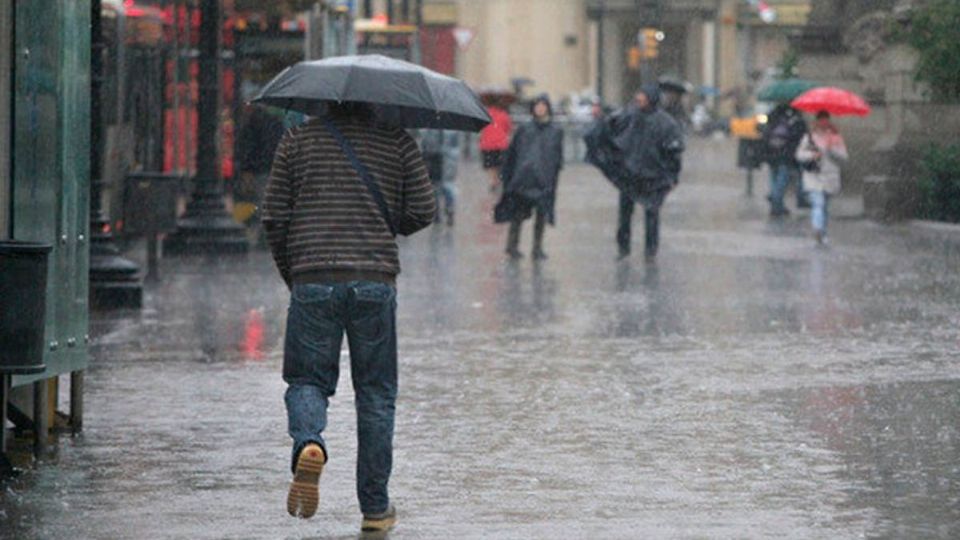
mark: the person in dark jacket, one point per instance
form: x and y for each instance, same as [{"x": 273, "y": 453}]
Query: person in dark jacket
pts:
[
  {"x": 529, "y": 175},
  {"x": 781, "y": 137},
  {"x": 651, "y": 142}
]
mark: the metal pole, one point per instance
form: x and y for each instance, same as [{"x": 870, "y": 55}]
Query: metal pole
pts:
[
  {"x": 206, "y": 227},
  {"x": 153, "y": 258},
  {"x": 600, "y": 51},
  {"x": 717, "y": 27},
  {"x": 208, "y": 105},
  {"x": 40, "y": 425},
  {"x": 114, "y": 280},
  {"x": 175, "y": 84},
  {"x": 188, "y": 137},
  {"x": 76, "y": 401},
  {"x": 4, "y": 395}
]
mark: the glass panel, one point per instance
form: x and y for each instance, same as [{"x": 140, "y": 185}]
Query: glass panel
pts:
[{"x": 6, "y": 34}]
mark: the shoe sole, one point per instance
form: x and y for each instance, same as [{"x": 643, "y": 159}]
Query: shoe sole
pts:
[
  {"x": 304, "y": 495},
  {"x": 377, "y": 525}
]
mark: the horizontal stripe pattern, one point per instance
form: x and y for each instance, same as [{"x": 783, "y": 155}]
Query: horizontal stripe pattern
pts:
[{"x": 319, "y": 214}]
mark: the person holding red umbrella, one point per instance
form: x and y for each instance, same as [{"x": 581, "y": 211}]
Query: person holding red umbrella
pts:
[
  {"x": 820, "y": 154},
  {"x": 823, "y": 150}
]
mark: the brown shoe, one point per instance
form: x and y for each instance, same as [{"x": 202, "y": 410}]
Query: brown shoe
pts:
[
  {"x": 383, "y": 521},
  {"x": 304, "y": 495}
]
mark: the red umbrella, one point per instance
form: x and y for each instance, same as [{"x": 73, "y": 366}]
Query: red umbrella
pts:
[{"x": 835, "y": 101}]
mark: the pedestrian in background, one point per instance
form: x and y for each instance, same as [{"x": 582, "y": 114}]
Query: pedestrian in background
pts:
[
  {"x": 781, "y": 137},
  {"x": 530, "y": 172},
  {"x": 652, "y": 144},
  {"x": 259, "y": 136},
  {"x": 441, "y": 152},
  {"x": 820, "y": 154},
  {"x": 335, "y": 246},
  {"x": 494, "y": 141}
]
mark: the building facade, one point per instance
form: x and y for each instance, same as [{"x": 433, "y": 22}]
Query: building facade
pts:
[
  {"x": 545, "y": 41},
  {"x": 577, "y": 46},
  {"x": 723, "y": 47}
]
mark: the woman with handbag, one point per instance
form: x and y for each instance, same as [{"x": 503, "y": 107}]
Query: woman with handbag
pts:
[{"x": 820, "y": 154}]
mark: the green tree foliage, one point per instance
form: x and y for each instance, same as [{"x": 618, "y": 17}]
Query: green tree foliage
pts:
[
  {"x": 935, "y": 32},
  {"x": 940, "y": 184}
]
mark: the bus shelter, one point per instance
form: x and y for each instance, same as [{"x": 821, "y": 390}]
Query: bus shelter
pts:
[{"x": 44, "y": 198}]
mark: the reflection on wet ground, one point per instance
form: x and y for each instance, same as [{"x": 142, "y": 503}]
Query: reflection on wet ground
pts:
[{"x": 747, "y": 385}]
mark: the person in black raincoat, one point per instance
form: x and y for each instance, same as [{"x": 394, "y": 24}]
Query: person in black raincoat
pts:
[
  {"x": 643, "y": 155},
  {"x": 529, "y": 174},
  {"x": 781, "y": 138}
]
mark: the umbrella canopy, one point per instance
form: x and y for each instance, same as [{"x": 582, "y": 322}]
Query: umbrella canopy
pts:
[
  {"x": 836, "y": 101},
  {"x": 400, "y": 93},
  {"x": 673, "y": 84},
  {"x": 785, "y": 90}
]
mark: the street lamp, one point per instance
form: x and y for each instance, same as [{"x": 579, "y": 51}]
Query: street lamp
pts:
[
  {"x": 206, "y": 227},
  {"x": 114, "y": 280}
]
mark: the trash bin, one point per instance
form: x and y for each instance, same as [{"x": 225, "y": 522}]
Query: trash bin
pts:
[{"x": 23, "y": 297}]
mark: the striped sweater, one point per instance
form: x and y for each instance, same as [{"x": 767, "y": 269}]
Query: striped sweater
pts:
[{"x": 320, "y": 218}]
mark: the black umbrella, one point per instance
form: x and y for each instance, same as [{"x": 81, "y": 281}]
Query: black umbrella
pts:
[
  {"x": 401, "y": 94},
  {"x": 673, "y": 84}
]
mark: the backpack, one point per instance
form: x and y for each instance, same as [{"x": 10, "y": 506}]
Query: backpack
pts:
[{"x": 777, "y": 137}]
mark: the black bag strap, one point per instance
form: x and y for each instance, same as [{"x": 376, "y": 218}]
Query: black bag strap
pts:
[{"x": 363, "y": 172}]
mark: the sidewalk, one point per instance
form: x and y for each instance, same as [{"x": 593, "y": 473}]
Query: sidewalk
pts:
[{"x": 747, "y": 385}]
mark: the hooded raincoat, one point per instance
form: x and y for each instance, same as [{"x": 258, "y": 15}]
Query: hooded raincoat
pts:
[
  {"x": 639, "y": 150},
  {"x": 530, "y": 172}
]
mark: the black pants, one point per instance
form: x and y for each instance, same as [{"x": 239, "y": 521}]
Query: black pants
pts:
[
  {"x": 539, "y": 225},
  {"x": 651, "y": 227}
]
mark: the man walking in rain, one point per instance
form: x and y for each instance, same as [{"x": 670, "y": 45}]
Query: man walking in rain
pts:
[
  {"x": 652, "y": 143},
  {"x": 339, "y": 191}
]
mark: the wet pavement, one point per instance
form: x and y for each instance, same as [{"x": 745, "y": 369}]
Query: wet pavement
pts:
[{"x": 747, "y": 385}]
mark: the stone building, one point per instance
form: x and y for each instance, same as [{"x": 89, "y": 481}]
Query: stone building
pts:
[
  {"x": 568, "y": 46},
  {"x": 849, "y": 44},
  {"x": 546, "y": 41}
]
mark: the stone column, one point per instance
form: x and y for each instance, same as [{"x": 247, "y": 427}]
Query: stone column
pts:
[{"x": 728, "y": 65}]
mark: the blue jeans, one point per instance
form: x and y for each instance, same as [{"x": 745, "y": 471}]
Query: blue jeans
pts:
[
  {"x": 779, "y": 180},
  {"x": 319, "y": 315},
  {"x": 820, "y": 200},
  {"x": 446, "y": 193}
]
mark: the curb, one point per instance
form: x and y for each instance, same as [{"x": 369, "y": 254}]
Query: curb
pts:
[{"x": 935, "y": 226}]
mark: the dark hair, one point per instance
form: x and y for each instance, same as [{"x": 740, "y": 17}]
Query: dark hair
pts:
[
  {"x": 343, "y": 109},
  {"x": 542, "y": 98},
  {"x": 823, "y": 114}
]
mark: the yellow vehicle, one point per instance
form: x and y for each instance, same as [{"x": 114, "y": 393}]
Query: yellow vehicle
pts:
[{"x": 749, "y": 131}]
